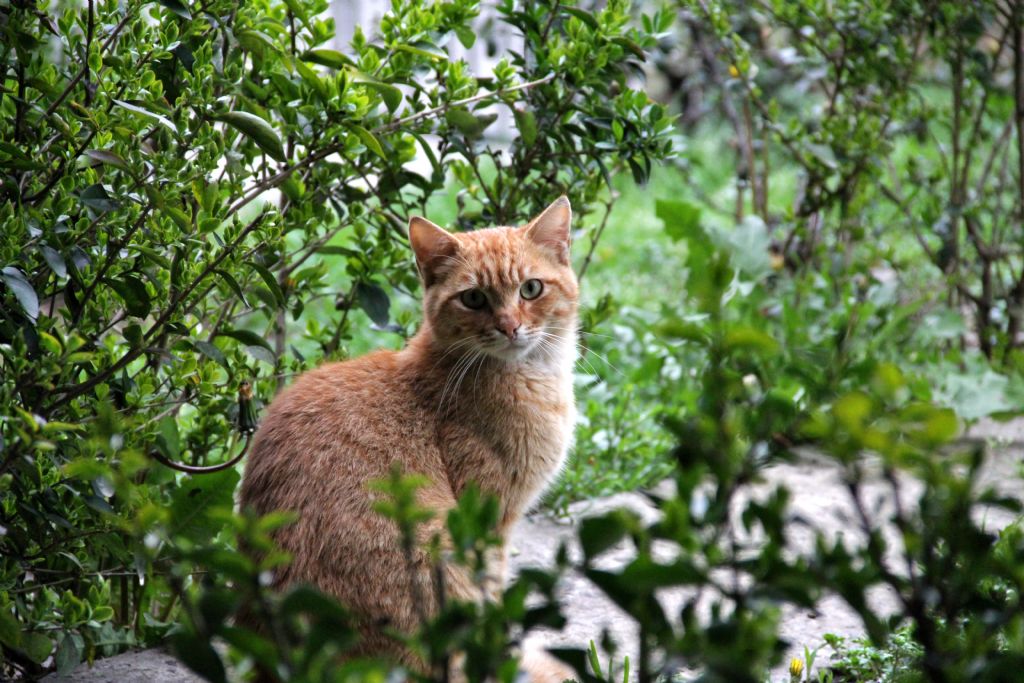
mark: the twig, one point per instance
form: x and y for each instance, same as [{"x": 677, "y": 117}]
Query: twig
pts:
[
  {"x": 74, "y": 391},
  {"x": 594, "y": 239},
  {"x": 427, "y": 113},
  {"x": 194, "y": 469},
  {"x": 85, "y": 70}
]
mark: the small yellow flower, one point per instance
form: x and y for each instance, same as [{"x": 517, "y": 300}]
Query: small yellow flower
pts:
[
  {"x": 796, "y": 668},
  {"x": 733, "y": 71}
]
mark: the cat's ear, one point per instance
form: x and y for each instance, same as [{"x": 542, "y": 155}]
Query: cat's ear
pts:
[
  {"x": 550, "y": 230},
  {"x": 433, "y": 246}
]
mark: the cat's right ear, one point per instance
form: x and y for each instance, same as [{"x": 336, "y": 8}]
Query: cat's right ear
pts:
[{"x": 434, "y": 246}]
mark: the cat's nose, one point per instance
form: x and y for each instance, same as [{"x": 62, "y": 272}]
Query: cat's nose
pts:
[{"x": 508, "y": 326}]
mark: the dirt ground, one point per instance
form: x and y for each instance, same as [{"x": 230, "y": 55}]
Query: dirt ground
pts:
[{"x": 819, "y": 503}]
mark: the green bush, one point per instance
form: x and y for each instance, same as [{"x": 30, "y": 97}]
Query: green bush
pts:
[
  {"x": 194, "y": 196},
  {"x": 873, "y": 136}
]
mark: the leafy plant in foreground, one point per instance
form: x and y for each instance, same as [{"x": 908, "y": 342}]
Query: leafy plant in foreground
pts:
[{"x": 193, "y": 196}]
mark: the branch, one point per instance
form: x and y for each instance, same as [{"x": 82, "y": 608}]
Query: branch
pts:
[
  {"x": 594, "y": 238},
  {"x": 427, "y": 113},
  {"x": 85, "y": 70},
  {"x": 282, "y": 175},
  {"x": 77, "y": 390}
]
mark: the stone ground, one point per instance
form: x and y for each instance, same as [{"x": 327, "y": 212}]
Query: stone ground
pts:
[{"x": 818, "y": 502}]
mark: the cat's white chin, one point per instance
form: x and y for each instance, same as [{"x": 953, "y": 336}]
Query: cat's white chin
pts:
[{"x": 511, "y": 350}]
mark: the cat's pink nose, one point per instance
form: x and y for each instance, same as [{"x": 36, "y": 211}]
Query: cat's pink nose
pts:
[{"x": 508, "y": 326}]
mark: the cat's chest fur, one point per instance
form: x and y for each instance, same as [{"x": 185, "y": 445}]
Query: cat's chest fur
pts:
[{"x": 514, "y": 443}]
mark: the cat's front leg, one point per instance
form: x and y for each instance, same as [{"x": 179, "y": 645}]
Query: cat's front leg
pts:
[
  {"x": 497, "y": 571},
  {"x": 543, "y": 668}
]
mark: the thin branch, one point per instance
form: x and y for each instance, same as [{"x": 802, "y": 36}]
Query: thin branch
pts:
[
  {"x": 428, "y": 113},
  {"x": 73, "y": 391},
  {"x": 594, "y": 239},
  {"x": 85, "y": 70}
]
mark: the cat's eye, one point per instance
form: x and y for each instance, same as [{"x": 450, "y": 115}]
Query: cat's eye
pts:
[
  {"x": 473, "y": 298},
  {"x": 531, "y": 289}
]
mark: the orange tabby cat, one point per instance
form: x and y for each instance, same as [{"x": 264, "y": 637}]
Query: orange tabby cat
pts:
[{"x": 483, "y": 393}]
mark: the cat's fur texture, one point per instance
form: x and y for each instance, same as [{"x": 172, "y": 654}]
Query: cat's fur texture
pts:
[{"x": 482, "y": 393}]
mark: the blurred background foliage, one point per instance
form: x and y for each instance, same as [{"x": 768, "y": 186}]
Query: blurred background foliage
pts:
[{"x": 799, "y": 224}]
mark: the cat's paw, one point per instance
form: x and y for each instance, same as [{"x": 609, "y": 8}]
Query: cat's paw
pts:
[{"x": 540, "y": 667}]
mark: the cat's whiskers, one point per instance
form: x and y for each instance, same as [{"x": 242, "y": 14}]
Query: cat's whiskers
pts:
[
  {"x": 476, "y": 377},
  {"x": 451, "y": 348},
  {"x": 451, "y": 376},
  {"x": 583, "y": 351},
  {"x": 476, "y": 355},
  {"x": 605, "y": 360},
  {"x": 580, "y": 330},
  {"x": 455, "y": 376},
  {"x": 554, "y": 346}
]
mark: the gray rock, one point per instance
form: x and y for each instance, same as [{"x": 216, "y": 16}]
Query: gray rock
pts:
[{"x": 142, "y": 666}]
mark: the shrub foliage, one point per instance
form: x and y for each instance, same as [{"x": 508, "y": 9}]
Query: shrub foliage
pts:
[
  {"x": 199, "y": 194},
  {"x": 196, "y": 196}
]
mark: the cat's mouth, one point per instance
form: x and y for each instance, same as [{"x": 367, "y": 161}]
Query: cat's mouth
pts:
[{"x": 506, "y": 349}]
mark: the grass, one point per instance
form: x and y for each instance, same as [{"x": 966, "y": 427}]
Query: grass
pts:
[{"x": 624, "y": 370}]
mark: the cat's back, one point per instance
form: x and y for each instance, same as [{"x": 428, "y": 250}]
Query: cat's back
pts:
[{"x": 334, "y": 429}]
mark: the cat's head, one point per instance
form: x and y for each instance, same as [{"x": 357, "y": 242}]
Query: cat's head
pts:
[{"x": 509, "y": 293}]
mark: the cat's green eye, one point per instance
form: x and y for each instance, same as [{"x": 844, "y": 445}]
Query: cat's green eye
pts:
[
  {"x": 531, "y": 289},
  {"x": 473, "y": 298}
]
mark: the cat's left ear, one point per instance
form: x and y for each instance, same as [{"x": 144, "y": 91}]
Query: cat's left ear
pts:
[
  {"x": 550, "y": 229},
  {"x": 433, "y": 247}
]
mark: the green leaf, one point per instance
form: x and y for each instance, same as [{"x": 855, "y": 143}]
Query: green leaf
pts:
[
  {"x": 255, "y": 41},
  {"x": 307, "y": 600},
  {"x": 10, "y": 631},
  {"x": 133, "y": 333},
  {"x": 212, "y": 352},
  {"x": 169, "y": 440},
  {"x": 246, "y": 337},
  {"x": 36, "y": 645},
  {"x": 293, "y": 187},
  {"x": 258, "y": 130},
  {"x": 107, "y": 157},
  {"x": 133, "y": 292},
  {"x": 180, "y": 218},
  {"x": 374, "y": 301},
  {"x": 598, "y": 534},
  {"x": 329, "y": 58},
  {"x": 198, "y": 654},
  {"x": 471, "y": 125},
  {"x": 103, "y": 613},
  {"x": 23, "y": 291},
  {"x": 271, "y": 282},
  {"x": 96, "y": 197},
  {"x": 232, "y": 283},
  {"x": 299, "y": 10},
  {"x": 139, "y": 109},
  {"x": 466, "y": 36},
  {"x": 750, "y": 247},
  {"x": 391, "y": 95},
  {"x": 177, "y": 7},
  {"x": 749, "y": 339},
  {"x": 583, "y": 15},
  {"x": 370, "y": 141},
  {"x": 527, "y": 124},
  {"x": 195, "y": 499},
  {"x": 433, "y": 54},
  {"x": 682, "y": 219},
  {"x": 940, "y": 428},
  {"x": 637, "y": 51},
  {"x": 852, "y": 410},
  {"x": 68, "y": 655}
]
